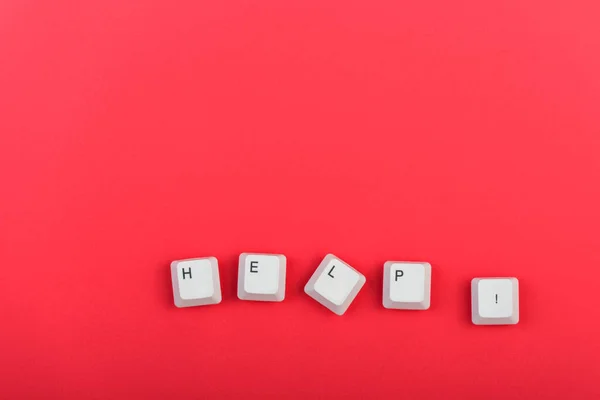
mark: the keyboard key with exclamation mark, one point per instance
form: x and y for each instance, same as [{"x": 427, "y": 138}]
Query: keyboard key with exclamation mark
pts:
[{"x": 495, "y": 301}]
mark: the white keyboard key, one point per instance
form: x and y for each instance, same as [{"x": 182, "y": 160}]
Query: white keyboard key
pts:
[
  {"x": 196, "y": 282},
  {"x": 335, "y": 284},
  {"x": 261, "y": 277},
  {"x": 495, "y": 301},
  {"x": 406, "y": 285}
]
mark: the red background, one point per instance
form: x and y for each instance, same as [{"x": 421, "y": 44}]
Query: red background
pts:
[{"x": 465, "y": 133}]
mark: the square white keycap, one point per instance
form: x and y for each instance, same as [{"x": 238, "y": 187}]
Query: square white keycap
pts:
[
  {"x": 335, "y": 284},
  {"x": 261, "y": 277},
  {"x": 196, "y": 282},
  {"x": 495, "y": 301},
  {"x": 406, "y": 285}
]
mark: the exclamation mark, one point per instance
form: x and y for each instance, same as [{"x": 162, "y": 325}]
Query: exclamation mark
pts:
[{"x": 496, "y": 299}]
